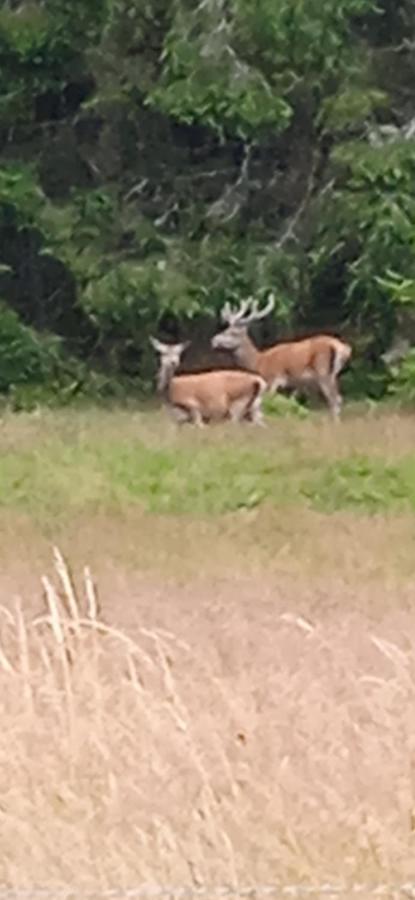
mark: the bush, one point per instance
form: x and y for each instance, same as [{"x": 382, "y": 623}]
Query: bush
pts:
[
  {"x": 25, "y": 356},
  {"x": 281, "y": 406},
  {"x": 402, "y": 386}
]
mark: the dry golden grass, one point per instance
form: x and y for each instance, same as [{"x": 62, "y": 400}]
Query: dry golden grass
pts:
[
  {"x": 240, "y": 729},
  {"x": 235, "y": 703}
]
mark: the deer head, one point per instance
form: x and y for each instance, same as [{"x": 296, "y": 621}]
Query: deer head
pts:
[
  {"x": 238, "y": 321},
  {"x": 170, "y": 356}
]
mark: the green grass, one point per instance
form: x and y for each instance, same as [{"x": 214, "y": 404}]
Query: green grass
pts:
[
  {"x": 70, "y": 462},
  {"x": 369, "y": 484},
  {"x": 255, "y": 597}
]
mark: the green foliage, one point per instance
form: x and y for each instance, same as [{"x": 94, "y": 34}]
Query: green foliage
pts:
[
  {"x": 281, "y": 406},
  {"x": 40, "y": 48},
  {"x": 386, "y": 228},
  {"x": 369, "y": 223},
  {"x": 301, "y": 40},
  {"x": 364, "y": 380},
  {"x": 229, "y": 97},
  {"x": 24, "y": 356},
  {"x": 205, "y": 81},
  {"x": 352, "y": 106},
  {"x": 206, "y": 152},
  {"x": 235, "y": 73},
  {"x": 402, "y": 384},
  {"x": 365, "y": 483},
  {"x": 21, "y": 198},
  {"x": 401, "y": 290}
]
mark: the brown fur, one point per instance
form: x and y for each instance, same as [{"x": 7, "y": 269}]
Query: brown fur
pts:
[
  {"x": 302, "y": 360},
  {"x": 208, "y": 396},
  {"x": 313, "y": 362}
]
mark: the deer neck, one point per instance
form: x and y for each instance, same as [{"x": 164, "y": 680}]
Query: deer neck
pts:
[
  {"x": 246, "y": 355},
  {"x": 164, "y": 378}
]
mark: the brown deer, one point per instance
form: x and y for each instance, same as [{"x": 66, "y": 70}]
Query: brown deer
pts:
[
  {"x": 207, "y": 396},
  {"x": 313, "y": 362}
]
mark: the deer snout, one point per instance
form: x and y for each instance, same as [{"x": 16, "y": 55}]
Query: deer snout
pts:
[{"x": 219, "y": 342}]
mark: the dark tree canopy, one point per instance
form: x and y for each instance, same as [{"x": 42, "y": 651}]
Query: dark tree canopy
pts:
[{"x": 158, "y": 157}]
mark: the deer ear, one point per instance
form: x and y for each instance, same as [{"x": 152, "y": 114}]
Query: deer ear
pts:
[
  {"x": 180, "y": 348},
  {"x": 157, "y": 344}
]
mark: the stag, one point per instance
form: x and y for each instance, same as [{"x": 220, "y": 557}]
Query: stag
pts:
[{"x": 313, "y": 362}]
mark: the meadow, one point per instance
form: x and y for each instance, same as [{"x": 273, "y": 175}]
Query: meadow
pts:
[{"x": 207, "y": 653}]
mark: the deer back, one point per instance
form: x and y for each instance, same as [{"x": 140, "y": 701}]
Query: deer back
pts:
[{"x": 303, "y": 359}]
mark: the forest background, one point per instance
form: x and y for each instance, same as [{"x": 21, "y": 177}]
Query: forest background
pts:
[{"x": 159, "y": 157}]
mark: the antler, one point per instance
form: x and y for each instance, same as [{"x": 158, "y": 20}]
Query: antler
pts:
[
  {"x": 235, "y": 316},
  {"x": 242, "y": 317},
  {"x": 257, "y": 314}
]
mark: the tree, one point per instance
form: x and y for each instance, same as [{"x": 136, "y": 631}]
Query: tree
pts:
[{"x": 159, "y": 158}]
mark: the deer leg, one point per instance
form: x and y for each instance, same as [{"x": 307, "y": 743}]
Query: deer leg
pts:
[
  {"x": 186, "y": 414},
  {"x": 180, "y": 414},
  {"x": 196, "y": 417},
  {"x": 278, "y": 384},
  {"x": 237, "y": 412},
  {"x": 331, "y": 394},
  {"x": 251, "y": 411},
  {"x": 254, "y": 413}
]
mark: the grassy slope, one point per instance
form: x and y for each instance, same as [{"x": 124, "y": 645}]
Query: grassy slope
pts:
[{"x": 258, "y": 723}]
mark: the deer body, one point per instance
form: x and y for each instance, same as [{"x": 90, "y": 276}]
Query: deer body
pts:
[
  {"x": 208, "y": 396},
  {"x": 313, "y": 362}
]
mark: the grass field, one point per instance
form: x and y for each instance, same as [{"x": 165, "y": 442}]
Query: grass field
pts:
[{"x": 240, "y": 707}]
